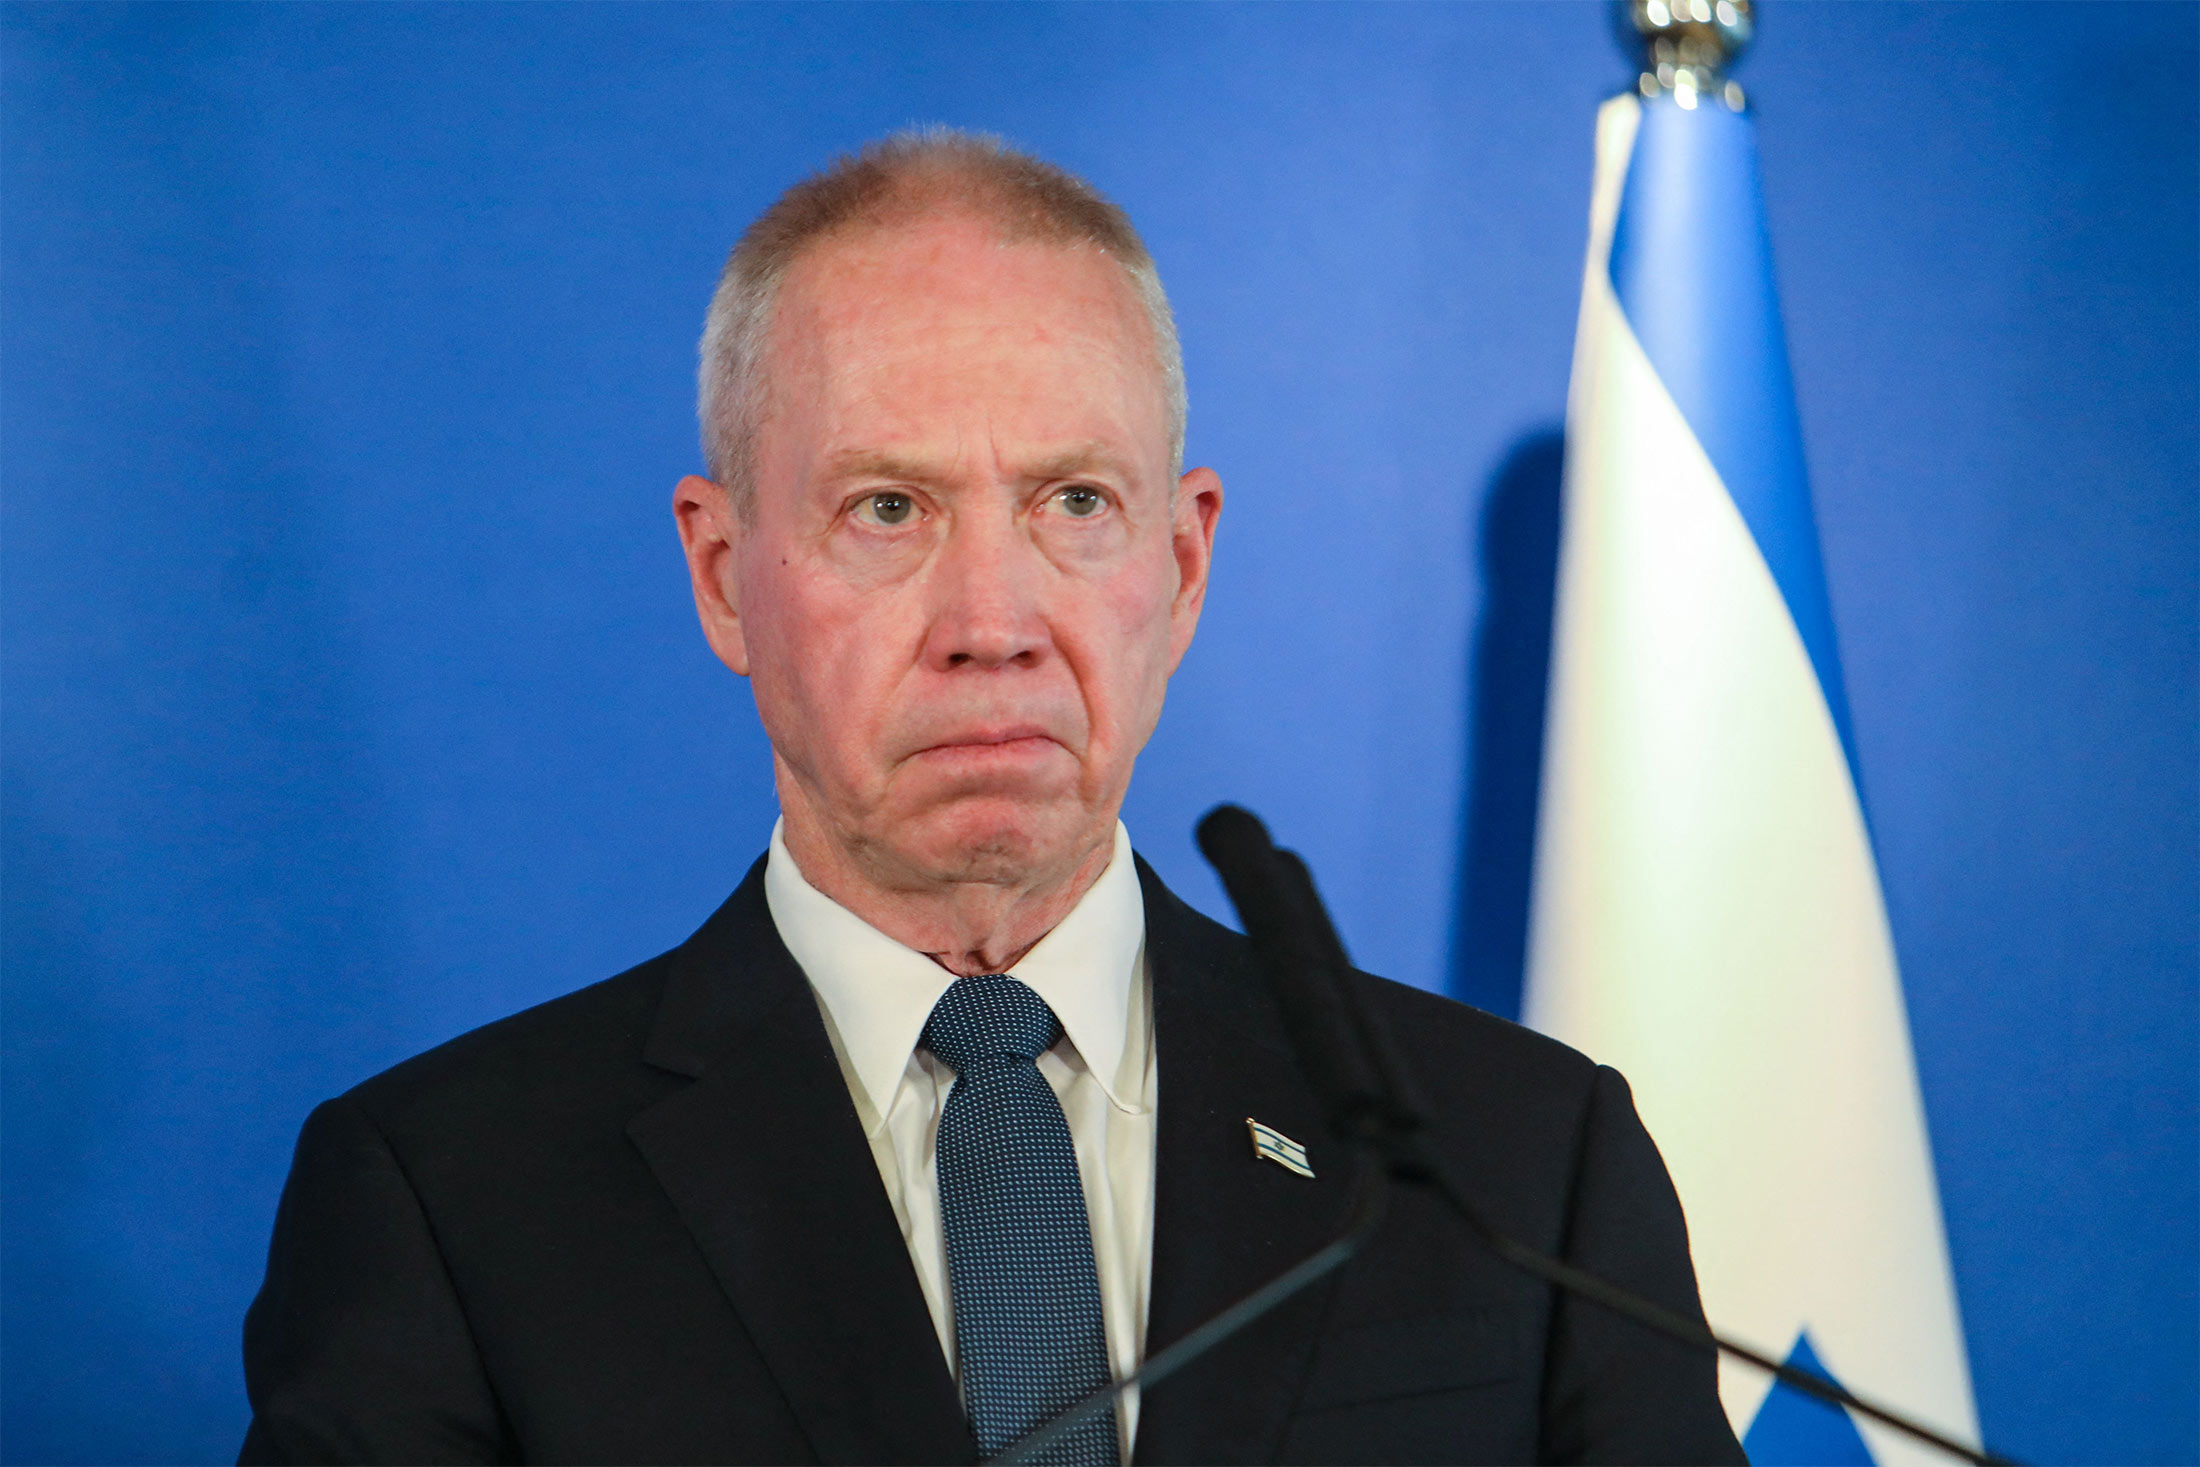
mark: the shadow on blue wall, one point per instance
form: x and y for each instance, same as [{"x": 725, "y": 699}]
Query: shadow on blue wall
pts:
[{"x": 1506, "y": 677}]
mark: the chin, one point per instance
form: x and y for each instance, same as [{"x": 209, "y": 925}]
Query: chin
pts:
[{"x": 998, "y": 840}]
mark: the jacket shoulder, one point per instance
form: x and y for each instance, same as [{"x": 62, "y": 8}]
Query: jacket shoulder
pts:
[
  {"x": 1424, "y": 1020},
  {"x": 574, "y": 1064},
  {"x": 1423, "y": 1023},
  {"x": 542, "y": 1058},
  {"x": 1496, "y": 1093}
]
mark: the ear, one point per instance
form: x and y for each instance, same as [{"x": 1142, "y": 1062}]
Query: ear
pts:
[
  {"x": 1192, "y": 539},
  {"x": 710, "y": 532}
]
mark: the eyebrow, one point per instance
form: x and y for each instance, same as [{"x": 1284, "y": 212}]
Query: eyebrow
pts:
[
  {"x": 1082, "y": 458},
  {"x": 870, "y": 463}
]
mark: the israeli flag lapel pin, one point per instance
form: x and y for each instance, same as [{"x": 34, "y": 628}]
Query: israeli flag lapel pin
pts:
[{"x": 1270, "y": 1144}]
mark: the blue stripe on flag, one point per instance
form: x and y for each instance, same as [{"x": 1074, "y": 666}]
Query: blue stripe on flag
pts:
[{"x": 1692, "y": 267}]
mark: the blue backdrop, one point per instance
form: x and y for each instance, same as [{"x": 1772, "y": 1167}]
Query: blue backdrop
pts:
[{"x": 352, "y": 693}]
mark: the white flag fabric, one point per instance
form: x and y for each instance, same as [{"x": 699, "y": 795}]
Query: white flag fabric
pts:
[{"x": 1707, "y": 914}]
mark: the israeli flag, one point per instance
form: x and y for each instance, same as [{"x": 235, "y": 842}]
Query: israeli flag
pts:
[{"x": 1707, "y": 913}]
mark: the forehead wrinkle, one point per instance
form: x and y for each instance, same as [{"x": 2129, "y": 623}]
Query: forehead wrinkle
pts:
[
  {"x": 1058, "y": 463},
  {"x": 1084, "y": 456}
]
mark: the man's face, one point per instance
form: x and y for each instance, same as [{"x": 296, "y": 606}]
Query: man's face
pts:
[{"x": 966, "y": 575}]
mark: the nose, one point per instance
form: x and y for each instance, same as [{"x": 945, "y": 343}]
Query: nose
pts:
[{"x": 987, "y": 583}]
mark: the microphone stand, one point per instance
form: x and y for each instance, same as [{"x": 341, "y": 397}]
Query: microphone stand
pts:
[
  {"x": 1356, "y": 1069},
  {"x": 1370, "y": 1095}
]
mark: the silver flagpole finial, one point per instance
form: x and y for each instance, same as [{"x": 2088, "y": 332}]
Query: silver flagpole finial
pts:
[{"x": 1686, "y": 46}]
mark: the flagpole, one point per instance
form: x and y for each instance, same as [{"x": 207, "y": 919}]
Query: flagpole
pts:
[
  {"x": 1687, "y": 46},
  {"x": 1708, "y": 916}
]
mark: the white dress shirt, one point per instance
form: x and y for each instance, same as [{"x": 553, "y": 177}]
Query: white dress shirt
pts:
[{"x": 877, "y": 994}]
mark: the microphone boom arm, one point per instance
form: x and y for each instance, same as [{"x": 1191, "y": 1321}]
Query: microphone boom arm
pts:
[{"x": 1358, "y": 1071}]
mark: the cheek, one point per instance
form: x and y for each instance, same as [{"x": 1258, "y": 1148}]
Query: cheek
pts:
[
  {"x": 803, "y": 644},
  {"x": 1133, "y": 663},
  {"x": 830, "y": 660}
]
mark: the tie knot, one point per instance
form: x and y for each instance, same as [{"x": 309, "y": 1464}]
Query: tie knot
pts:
[{"x": 991, "y": 1016}]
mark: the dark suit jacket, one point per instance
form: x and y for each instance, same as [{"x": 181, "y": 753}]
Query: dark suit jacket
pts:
[{"x": 641, "y": 1223}]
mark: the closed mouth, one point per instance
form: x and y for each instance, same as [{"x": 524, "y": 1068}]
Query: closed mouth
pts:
[{"x": 991, "y": 739}]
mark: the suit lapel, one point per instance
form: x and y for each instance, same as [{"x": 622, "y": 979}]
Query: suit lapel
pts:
[
  {"x": 1226, "y": 1222},
  {"x": 767, "y": 1164}
]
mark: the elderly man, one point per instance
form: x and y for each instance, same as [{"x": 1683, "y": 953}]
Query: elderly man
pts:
[{"x": 941, "y": 1121}]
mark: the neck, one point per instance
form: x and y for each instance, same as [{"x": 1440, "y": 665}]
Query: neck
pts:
[{"x": 967, "y": 926}]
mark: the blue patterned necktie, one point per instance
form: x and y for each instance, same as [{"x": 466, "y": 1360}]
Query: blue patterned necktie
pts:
[{"x": 1028, "y": 1333}]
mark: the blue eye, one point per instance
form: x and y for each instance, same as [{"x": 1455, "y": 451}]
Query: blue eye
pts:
[{"x": 1081, "y": 502}]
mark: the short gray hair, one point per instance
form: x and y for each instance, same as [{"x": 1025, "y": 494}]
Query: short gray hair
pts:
[{"x": 903, "y": 177}]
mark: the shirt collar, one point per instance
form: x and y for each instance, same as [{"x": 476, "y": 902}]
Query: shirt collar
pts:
[{"x": 878, "y": 993}]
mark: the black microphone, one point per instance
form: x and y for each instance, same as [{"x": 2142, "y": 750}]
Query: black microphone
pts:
[
  {"x": 1300, "y": 951},
  {"x": 1306, "y": 968},
  {"x": 1363, "y": 1081}
]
